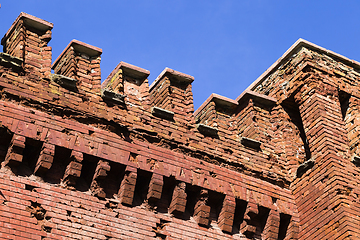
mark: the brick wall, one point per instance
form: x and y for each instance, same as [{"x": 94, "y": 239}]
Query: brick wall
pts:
[{"x": 125, "y": 160}]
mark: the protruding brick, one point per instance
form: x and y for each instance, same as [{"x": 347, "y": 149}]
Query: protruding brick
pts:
[
  {"x": 14, "y": 154},
  {"x": 73, "y": 170},
  {"x": 155, "y": 187},
  {"x": 226, "y": 216},
  {"x": 46, "y": 158},
  {"x": 178, "y": 202},
  {"x": 127, "y": 187},
  {"x": 202, "y": 210}
]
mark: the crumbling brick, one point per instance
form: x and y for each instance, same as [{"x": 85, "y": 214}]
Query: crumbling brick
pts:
[
  {"x": 101, "y": 172},
  {"x": 202, "y": 210},
  {"x": 281, "y": 161}
]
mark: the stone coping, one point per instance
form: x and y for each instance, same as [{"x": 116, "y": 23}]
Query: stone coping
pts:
[
  {"x": 129, "y": 70},
  {"x": 81, "y": 47},
  {"x": 179, "y": 76},
  {"x": 31, "y": 21},
  {"x": 218, "y": 99},
  {"x": 257, "y": 96}
]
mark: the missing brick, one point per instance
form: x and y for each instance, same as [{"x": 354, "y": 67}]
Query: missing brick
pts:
[
  {"x": 3, "y": 198},
  {"x": 160, "y": 234},
  {"x": 212, "y": 174},
  {"x": 111, "y": 204},
  {"x": 46, "y": 228},
  {"x": 36, "y": 210},
  {"x": 29, "y": 187}
]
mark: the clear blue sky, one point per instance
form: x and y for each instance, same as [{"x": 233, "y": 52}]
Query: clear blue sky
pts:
[{"x": 224, "y": 44}]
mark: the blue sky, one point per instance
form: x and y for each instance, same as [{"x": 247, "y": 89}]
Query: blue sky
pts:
[{"x": 224, "y": 44}]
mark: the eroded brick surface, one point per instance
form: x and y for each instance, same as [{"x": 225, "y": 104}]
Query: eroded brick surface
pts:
[{"x": 125, "y": 160}]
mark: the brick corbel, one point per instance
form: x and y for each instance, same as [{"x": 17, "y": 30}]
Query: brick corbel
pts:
[
  {"x": 226, "y": 216},
  {"x": 101, "y": 173},
  {"x": 248, "y": 227},
  {"x": 127, "y": 186},
  {"x": 155, "y": 187},
  {"x": 14, "y": 154},
  {"x": 271, "y": 230},
  {"x": 73, "y": 170},
  {"x": 46, "y": 158},
  {"x": 202, "y": 210},
  {"x": 178, "y": 201}
]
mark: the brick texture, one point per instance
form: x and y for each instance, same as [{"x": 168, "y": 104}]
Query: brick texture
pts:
[{"x": 125, "y": 160}]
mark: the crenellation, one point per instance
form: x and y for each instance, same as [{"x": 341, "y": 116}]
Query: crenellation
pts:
[
  {"x": 252, "y": 120},
  {"x": 27, "y": 40},
  {"x": 216, "y": 112},
  {"x": 80, "y": 61},
  {"x": 171, "y": 91}
]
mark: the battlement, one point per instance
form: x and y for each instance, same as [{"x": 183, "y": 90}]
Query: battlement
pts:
[{"x": 123, "y": 159}]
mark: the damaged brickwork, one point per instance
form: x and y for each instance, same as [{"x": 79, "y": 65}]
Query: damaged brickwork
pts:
[{"x": 81, "y": 159}]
